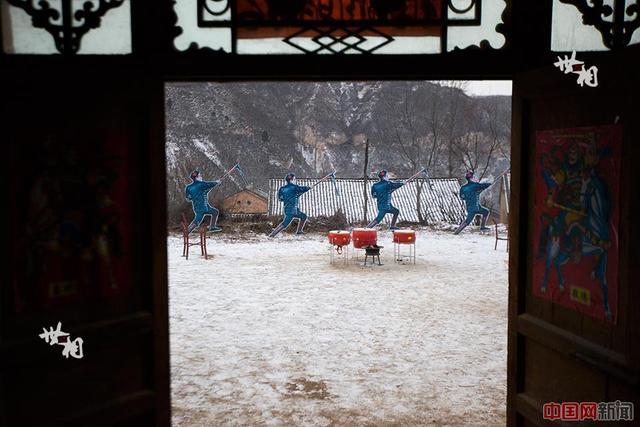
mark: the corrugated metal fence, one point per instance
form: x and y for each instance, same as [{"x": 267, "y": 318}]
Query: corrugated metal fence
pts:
[{"x": 440, "y": 203}]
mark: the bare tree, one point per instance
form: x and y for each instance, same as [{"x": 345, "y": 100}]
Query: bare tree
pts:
[
  {"x": 477, "y": 150},
  {"x": 455, "y": 96},
  {"x": 421, "y": 122},
  {"x": 366, "y": 178},
  {"x": 410, "y": 120}
]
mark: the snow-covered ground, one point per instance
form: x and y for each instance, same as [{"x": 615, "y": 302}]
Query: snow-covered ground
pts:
[{"x": 268, "y": 333}]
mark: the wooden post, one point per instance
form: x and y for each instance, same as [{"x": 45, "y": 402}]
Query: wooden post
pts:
[{"x": 366, "y": 178}]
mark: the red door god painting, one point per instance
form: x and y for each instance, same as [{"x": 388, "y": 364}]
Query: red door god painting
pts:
[{"x": 576, "y": 206}]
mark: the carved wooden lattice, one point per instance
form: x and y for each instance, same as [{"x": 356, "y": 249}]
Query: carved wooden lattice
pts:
[
  {"x": 332, "y": 26},
  {"x": 615, "y": 21},
  {"x": 67, "y": 21}
]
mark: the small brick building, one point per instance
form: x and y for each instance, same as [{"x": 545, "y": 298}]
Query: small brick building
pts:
[{"x": 247, "y": 201}]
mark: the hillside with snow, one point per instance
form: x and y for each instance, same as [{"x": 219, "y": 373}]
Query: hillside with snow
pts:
[{"x": 312, "y": 128}]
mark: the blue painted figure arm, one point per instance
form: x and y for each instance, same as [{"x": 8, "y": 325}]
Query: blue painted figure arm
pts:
[
  {"x": 301, "y": 189},
  {"x": 289, "y": 195},
  {"x": 394, "y": 185},
  {"x": 290, "y": 192},
  {"x": 209, "y": 184}
]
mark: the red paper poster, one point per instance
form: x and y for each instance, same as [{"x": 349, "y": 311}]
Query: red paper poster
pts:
[{"x": 576, "y": 211}]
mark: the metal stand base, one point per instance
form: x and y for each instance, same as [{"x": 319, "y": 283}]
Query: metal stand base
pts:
[
  {"x": 398, "y": 256},
  {"x": 373, "y": 259},
  {"x": 338, "y": 252}
]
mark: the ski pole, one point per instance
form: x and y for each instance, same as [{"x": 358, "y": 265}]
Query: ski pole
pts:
[
  {"x": 228, "y": 172},
  {"x": 242, "y": 174},
  {"x": 331, "y": 175},
  {"x": 499, "y": 177},
  {"x": 411, "y": 178}
]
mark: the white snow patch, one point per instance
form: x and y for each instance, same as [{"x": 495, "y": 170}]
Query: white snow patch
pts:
[
  {"x": 308, "y": 153},
  {"x": 208, "y": 150},
  {"x": 172, "y": 151},
  {"x": 267, "y": 332}
]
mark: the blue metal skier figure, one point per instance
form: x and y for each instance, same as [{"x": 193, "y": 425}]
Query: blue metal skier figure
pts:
[
  {"x": 381, "y": 191},
  {"x": 289, "y": 195},
  {"x": 198, "y": 194},
  {"x": 470, "y": 193}
]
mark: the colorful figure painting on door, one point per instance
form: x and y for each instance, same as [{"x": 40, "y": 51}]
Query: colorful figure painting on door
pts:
[{"x": 576, "y": 203}]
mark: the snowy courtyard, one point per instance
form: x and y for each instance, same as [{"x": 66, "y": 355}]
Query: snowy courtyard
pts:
[{"x": 267, "y": 332}]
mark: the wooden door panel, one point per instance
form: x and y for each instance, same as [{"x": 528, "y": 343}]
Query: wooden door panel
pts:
[
  {"x": 87, "y": 136},
  {"x": 557, "y": 354},
  {"x": 69, "y": 388},
  {"x": 550, "y": 376}
]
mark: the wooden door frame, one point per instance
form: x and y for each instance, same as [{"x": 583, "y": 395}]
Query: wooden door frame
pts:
[
  {"x": 626, "y": 368},
  {"x": 153, "y": 29},
  {"x": 530, "y": 31}
]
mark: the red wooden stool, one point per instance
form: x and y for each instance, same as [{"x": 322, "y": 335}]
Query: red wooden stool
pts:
[{"x": 186, "y": 243}]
